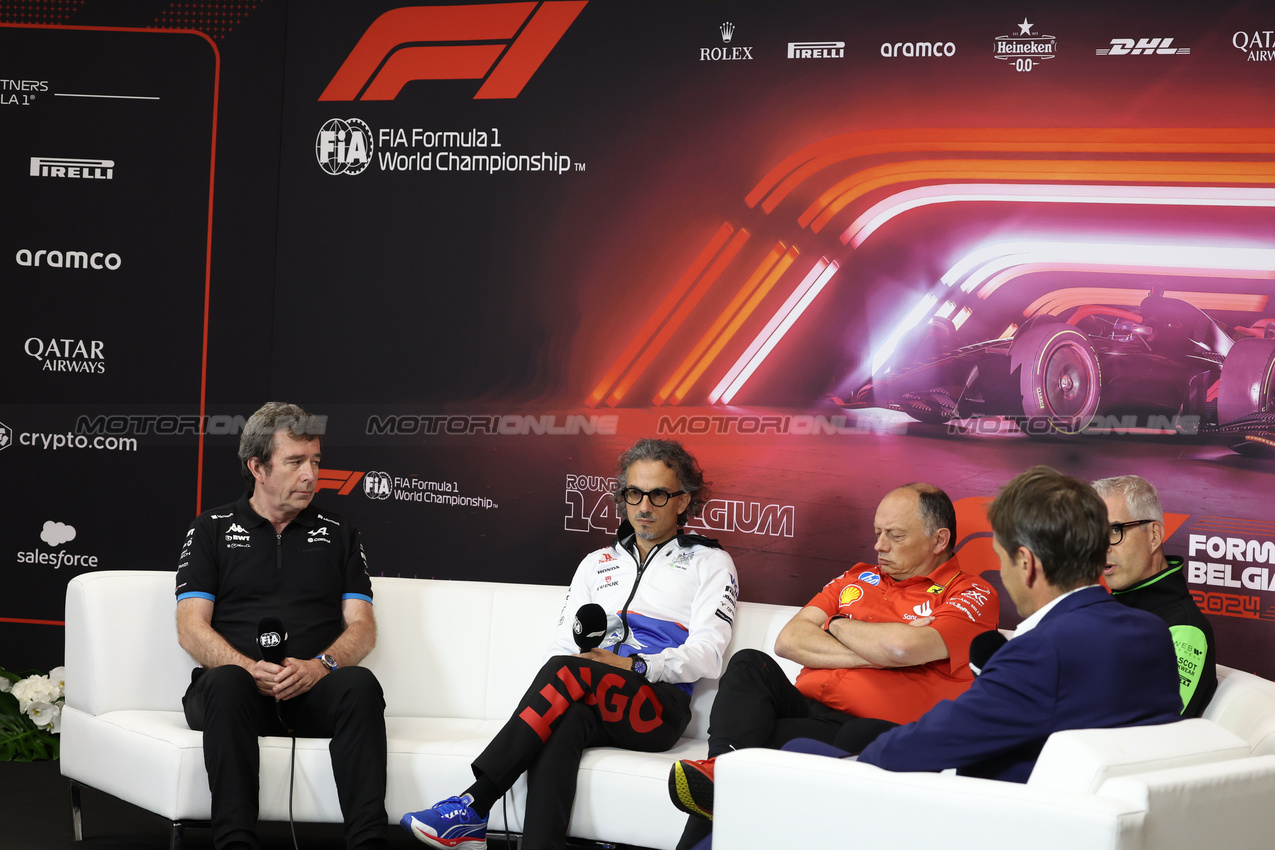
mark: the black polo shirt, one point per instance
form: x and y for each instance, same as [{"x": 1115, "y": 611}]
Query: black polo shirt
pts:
[{"x": 234, "y": 558}]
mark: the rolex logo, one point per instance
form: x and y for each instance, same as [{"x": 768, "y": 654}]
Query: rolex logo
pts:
[{"x": 728, "y": 30}]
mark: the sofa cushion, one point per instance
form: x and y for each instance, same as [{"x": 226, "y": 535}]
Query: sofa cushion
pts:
[
  {"x": 1245, "y": 704},
  {"x": 1083, "y": 759}
]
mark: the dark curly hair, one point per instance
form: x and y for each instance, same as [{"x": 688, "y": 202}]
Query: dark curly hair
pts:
[{"x": 690, "y": 478}]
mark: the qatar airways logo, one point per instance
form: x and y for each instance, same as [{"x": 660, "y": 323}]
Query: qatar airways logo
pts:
[
  {"x": 1258, "y": 45},
  {"x": 502, "y": 44}
]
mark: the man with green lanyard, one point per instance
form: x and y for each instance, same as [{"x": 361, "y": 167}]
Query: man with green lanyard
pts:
[{"x": 1141, "y": 576}]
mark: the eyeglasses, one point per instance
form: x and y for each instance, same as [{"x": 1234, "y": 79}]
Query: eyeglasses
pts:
[
  {"x": 1117, "y": 529},
  {"x": 659, "y": 497}
]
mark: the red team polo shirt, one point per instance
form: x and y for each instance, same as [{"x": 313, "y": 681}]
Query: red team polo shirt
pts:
[{"x": 962, "y": 606}]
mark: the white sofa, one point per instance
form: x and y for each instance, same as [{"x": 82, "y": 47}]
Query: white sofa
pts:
[
  {"x": 1182, "y": 786},
  {"x": 453, "y": 659}
]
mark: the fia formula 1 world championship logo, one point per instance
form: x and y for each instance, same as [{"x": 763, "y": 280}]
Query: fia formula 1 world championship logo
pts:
[{"x": 344, "y": 146}]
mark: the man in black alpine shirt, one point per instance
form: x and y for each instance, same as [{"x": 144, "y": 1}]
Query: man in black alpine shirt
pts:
[
  {"x": 273, "y": 555},
  {"x": 1141, "y": 576}
]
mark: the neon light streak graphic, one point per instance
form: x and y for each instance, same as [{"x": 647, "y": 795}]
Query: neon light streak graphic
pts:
[
  {"x": 800, "y": 166},
  {"x": 834, "y": 199},
  {"x": 1052, "y": 193},
  {"x": 761, "y": 346},
  {"x": 707, "y": 339},
  {"x": 1063, "y": 299},
  {"x": 675, "y": 321},
  {"x": 1002, "y": 262},
  {"x": 911, "y": 320},
  {"x": 771, "y": 279},
  {"x": 661, "y": 313}
]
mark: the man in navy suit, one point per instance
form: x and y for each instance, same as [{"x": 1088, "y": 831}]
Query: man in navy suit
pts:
[{"x": 1079, "y": 659}]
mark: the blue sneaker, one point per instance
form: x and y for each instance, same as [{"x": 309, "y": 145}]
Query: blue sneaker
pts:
[{"x": 451, "y": 824}]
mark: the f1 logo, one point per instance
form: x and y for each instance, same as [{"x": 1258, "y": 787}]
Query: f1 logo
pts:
[
  {"x": 340, "y": 480},
  {"x": 412, "y": 43}
]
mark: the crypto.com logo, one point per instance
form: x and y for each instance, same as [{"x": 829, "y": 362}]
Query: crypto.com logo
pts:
[{"x": 416, "y": 43}]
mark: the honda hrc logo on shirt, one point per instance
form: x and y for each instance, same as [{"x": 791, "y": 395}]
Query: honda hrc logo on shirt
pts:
[{"x": 502, "y": 44}]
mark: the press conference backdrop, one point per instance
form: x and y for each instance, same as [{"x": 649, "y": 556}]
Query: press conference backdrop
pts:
[{"x": 832, "y": 247}]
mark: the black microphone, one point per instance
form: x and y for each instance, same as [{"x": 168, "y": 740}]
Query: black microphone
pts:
[
  {"x": 590, "y": 626},
  {"x": 272, "y": 640},
  {"x": 983, "y": 647}
]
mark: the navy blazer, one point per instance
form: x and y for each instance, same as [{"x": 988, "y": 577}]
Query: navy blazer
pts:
[{"x": 1089, "y": 663}]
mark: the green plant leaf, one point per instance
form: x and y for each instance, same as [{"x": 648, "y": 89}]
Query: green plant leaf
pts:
[{"x": 20, "y": 740}]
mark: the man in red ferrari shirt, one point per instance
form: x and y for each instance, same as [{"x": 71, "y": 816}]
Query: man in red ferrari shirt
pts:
[{"x": 880, "y": 645}]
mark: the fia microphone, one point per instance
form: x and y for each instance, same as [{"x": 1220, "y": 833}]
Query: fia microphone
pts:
[
  {"x": 590, "y": 626},
  {"x": 983, "y": 647},
  {"x": 272, "y": 640}
]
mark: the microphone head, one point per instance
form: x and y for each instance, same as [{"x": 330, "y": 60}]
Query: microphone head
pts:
[
  {"x": 590, "y": 626},
  {"x": 272, "y": 640},
  {"x": 983, "y": 647}
]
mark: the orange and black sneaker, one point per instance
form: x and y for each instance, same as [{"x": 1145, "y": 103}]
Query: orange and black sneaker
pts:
[{"x": 690, "y": 785}]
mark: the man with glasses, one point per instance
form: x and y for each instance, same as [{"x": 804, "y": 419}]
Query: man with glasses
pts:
[
  {"x": 669, "y": 602},
  {"x": 879, "y": 645},
  {"x": 1140, "y": 575},
  {"x": 1077, "y": 661}
]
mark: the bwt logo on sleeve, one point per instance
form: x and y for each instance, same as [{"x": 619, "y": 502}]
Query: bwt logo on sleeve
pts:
[{"x": 503, "y": 44}]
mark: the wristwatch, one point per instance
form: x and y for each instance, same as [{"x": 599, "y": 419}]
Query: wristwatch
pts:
[
  {"x": 639, "y": 665},
  {"x": 327, "y": 661}
]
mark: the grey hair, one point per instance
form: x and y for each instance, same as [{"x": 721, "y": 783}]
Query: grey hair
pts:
[
  {"x": 257, "y": 439},
  {"x": 1139, "y": 495}
]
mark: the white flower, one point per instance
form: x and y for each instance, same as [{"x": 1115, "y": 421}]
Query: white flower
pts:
[
  {"x": 5, "y": 685},
  {"x": 58, "y": 677},
  {"x": 45, "y": 716},
  {"x": 35, "y": 689}
]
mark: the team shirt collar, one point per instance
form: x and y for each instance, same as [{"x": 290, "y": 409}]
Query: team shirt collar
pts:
[{"x": 249, "y": 518}]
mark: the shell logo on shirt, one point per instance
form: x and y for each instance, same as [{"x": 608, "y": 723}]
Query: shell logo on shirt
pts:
[{"x": 850, "y": 594}]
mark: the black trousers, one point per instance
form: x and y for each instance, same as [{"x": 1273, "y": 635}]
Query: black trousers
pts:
[
  {"x": 756, "y": 706},
  {"x": 346, "y": 705},
  {"x": 573, "y": 704}
]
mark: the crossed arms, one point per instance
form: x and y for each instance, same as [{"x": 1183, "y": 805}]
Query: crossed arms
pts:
[{"x": 853, "y": 643}]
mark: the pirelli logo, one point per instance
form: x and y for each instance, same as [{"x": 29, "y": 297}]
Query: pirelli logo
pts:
[
  {"x": 502, "y": 44},
  {"x": 82, "y": 169}
]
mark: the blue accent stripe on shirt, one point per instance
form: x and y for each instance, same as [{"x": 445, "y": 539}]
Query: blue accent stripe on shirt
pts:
[
  {"x": 195, "y": 594},
  {"x": 362, "y": 596}
]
